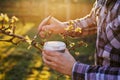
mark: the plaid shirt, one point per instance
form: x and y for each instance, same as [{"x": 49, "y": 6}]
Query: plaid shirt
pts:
[{"x": 106, "y": 16}]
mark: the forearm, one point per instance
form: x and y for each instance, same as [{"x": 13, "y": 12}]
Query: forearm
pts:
[
  {"x": 87, "y": 28},
  {"x": 87, "y": 24}
]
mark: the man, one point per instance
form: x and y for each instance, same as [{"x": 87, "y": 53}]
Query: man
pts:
[{"x": 106, "y": 16}]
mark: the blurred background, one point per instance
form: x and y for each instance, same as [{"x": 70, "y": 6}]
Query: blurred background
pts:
[
  {"x": 35, "y": 10},
  {"x": 19, "y": 63}
]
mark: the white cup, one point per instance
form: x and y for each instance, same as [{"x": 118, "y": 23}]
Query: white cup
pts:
[{"x": 55, "y": 46}]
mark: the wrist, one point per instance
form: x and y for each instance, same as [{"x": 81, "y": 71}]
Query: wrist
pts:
[
  {"x": 71, "y": 69},
  {"x": 70, "y": 29},
  {"x": 63, "y": 26}
]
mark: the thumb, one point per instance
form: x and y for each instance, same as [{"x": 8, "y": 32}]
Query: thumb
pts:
[{"x": 66, "y": 51}]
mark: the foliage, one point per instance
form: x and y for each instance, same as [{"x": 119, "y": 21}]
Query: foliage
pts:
[
  {"x": 31, "y": 64},
  {"x": 8, "y": 28}
]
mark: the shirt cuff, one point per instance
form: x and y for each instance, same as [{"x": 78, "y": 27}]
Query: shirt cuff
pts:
[{"x": 79, "y": 70}]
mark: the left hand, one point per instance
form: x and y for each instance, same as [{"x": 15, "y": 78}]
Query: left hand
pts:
[
  {"x": 61, "y": 62},
  {"x": 51, "y": 24}
]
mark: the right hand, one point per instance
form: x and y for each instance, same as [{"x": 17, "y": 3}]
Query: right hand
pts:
[
  {"x": 51, "y": 24},
  {"x": 61, "y": 62}
]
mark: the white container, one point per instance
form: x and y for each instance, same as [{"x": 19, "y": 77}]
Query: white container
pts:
[{"x": 55, "y": 46}]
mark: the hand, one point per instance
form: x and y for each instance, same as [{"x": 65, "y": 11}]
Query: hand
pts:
[
  {"x": 51, "y": 24},
  {"x": 61, "y": 62}
]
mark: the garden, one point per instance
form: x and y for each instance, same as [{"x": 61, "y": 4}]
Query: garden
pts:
[{"x": 21, "y": 45}]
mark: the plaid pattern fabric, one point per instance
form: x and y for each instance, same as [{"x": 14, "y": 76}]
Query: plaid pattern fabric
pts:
[{"x": 106, "y": 16}]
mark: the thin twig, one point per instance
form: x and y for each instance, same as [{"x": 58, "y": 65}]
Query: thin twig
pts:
[{"x": 22, "y": 38}]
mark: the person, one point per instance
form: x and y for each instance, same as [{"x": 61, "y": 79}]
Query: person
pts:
[{"x": 104, "y": 19}]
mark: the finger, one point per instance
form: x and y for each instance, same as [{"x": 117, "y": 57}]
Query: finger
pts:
[
  {"x": 49, "y": 63},
  {"x": 47, "y": 27},
  {"x": 50, "y": 58},
  {"x": 46, "y": 31},
  {"x": 42, "y": 34},
  {"x": 54, "y": 58},
  {"x": 46, "y": 61},
  {"x": 52, "y": 65},
  {"x": 66, "y": 51},
  {"x": 52, "y": 53},
  {"x": 44, "y": 22}
]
